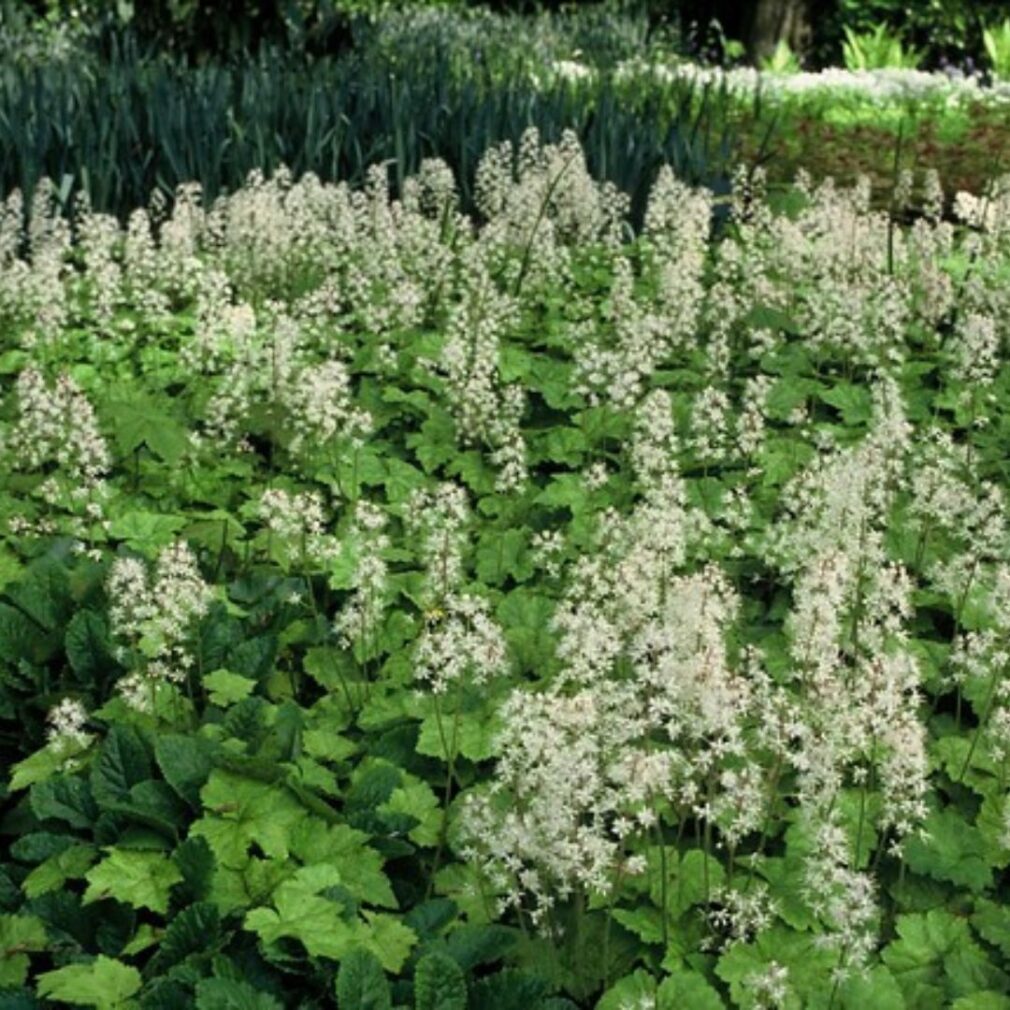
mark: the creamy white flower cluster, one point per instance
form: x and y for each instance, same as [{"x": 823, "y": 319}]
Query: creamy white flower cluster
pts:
[
  {"x": 613, "y": 369},
  {"x": 555, "y": 819},
  {"x": 461, "y": 644},
  {"x": 66, "y": 726},
  {"x": 319, "y": 406},
  {"x": 541, "y": 200},
  {"x": 289, "y": 283},
  {"x": 486, "y": 409},
  {"x": 362, "y": 614},
  {"x": 297, "y": 527},
  {"x": 34, "y": 290},
  {"x": 56, "y": 432},
  {"x": 647, "y": 707},
  {"x": 272, "y": 364},
  {"x": 768, "y": 988},
  {"x": 739, "y": 915},
  {"x": 663, "y": 711},
  {"x": 859, "y": 683},
  {"x": 838, "y": 269},
  {"x": 154, "y": 618},
  {"x": 439, "y": 516},
  {"x": 98, "y": 241}
]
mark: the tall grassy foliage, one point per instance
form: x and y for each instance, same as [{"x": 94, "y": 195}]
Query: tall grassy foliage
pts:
[{"x": 120, "y": 127}]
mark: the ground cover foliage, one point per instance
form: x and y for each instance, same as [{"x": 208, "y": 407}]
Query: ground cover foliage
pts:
[{"x": 407, "y": 609}]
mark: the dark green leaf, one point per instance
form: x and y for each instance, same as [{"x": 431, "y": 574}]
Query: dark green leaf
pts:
[
  {"x": 186, "y": 763},
  {"x": 232, "y": 994},
  {"x": 361, "y": 983},
  {"x": 64, "y": 798},
  {"x": 195, "y": 930},
  {"x": 122, "y": 762},
  {"x": 439, "y": 984}
]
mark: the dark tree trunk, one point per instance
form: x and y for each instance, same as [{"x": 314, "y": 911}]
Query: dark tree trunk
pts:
[{"x": 774, "y": 20}]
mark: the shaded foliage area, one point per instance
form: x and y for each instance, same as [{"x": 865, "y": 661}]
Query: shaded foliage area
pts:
[{"x": 122, "y": 129}]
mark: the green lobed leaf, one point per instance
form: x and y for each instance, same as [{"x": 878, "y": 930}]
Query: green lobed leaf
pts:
[
  {"x": 123, "y": 761},
  {"x": 526, "y": 621},
  {"x": 19, "y": 936},
  {"x": 297, "y": 911},
  {"x": 439, "y": 984},
  {"x": 988, "y": 1000},
  {"x": 147, "y": 532},
  {"x": 233, "y": 994},
  {"x": 953, "y": 850},
  {"x": 808, "y": 965},
  {"x": 689, "y": 880},
  {"x": 472, "y": 945},
  {"x": 139, "y": 879},
  {"x": 636, "y": 989},
  {"x": 935, "y": 958},
  {"x": 502, "y": 555},
  {"x": 508, "y": 989},
  {"x": 300, "y": 912},
  {"x": 854, "y": 402},
  {"x": 417, "y": 800},
  {"x": 877, "y": 989},
  {"x": 346, "y": 850},
  {"x": 65, "y": 798},
  {"x": 361, "y": 983},
  {"x": 226, "y": 687},
  {"x": 186, "y": 763},
  {"x": 138, "y": 421},
  {"x": 389, "y": 939},
  {"x": 240, "y": 812},
  {"x": 687, "y": 989},
  {"x": 38, "y": 767},
  {"x": 87, "y": 644},
  {"x": 473, "y": 732},
  {"x": 54, "y": 872},
  {"x": 991, "y": 920},
  {"x": 104, "y": 983},
  {"x": 195, "y": 930}
]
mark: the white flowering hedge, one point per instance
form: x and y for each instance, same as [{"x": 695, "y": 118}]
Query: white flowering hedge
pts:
[
  {"x": 881, "y": 87},
  {"x": 403, "y": 609}
]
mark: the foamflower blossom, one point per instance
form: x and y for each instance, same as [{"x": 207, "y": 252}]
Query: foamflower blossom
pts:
[
  {"x": 460, "y": 644},
  {"x": 153, "y": 618},
  {"x": 487, "y": 410},
  {"x": 56, "y": 424},
  {"x": 362, "y": 615},
  {"x": 296, "y": 525},
  {"x": 553, "y": 822},
  {"x": 66, "y": 722},
  {"x": 440, "y": 516}
]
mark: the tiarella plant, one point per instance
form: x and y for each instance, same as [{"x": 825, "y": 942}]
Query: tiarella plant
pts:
[{"x": 403, "y": 608}]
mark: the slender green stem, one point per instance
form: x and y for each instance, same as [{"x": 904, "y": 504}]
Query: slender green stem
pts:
[
  {"x": 861, "y": 822},
  {"x": 982, "y": 721},
  {"x": 612, "y": 900},
  {"x": 528, "y": 251},
  {"x": 773, "y": 785},
  {"x": 450, "y": 751},
  {"x": 221, "y": 549},
  {"x": 664, "y": 885},
  {"x": 710, "y": 795},
  {"x": 580, "y": 939}
]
